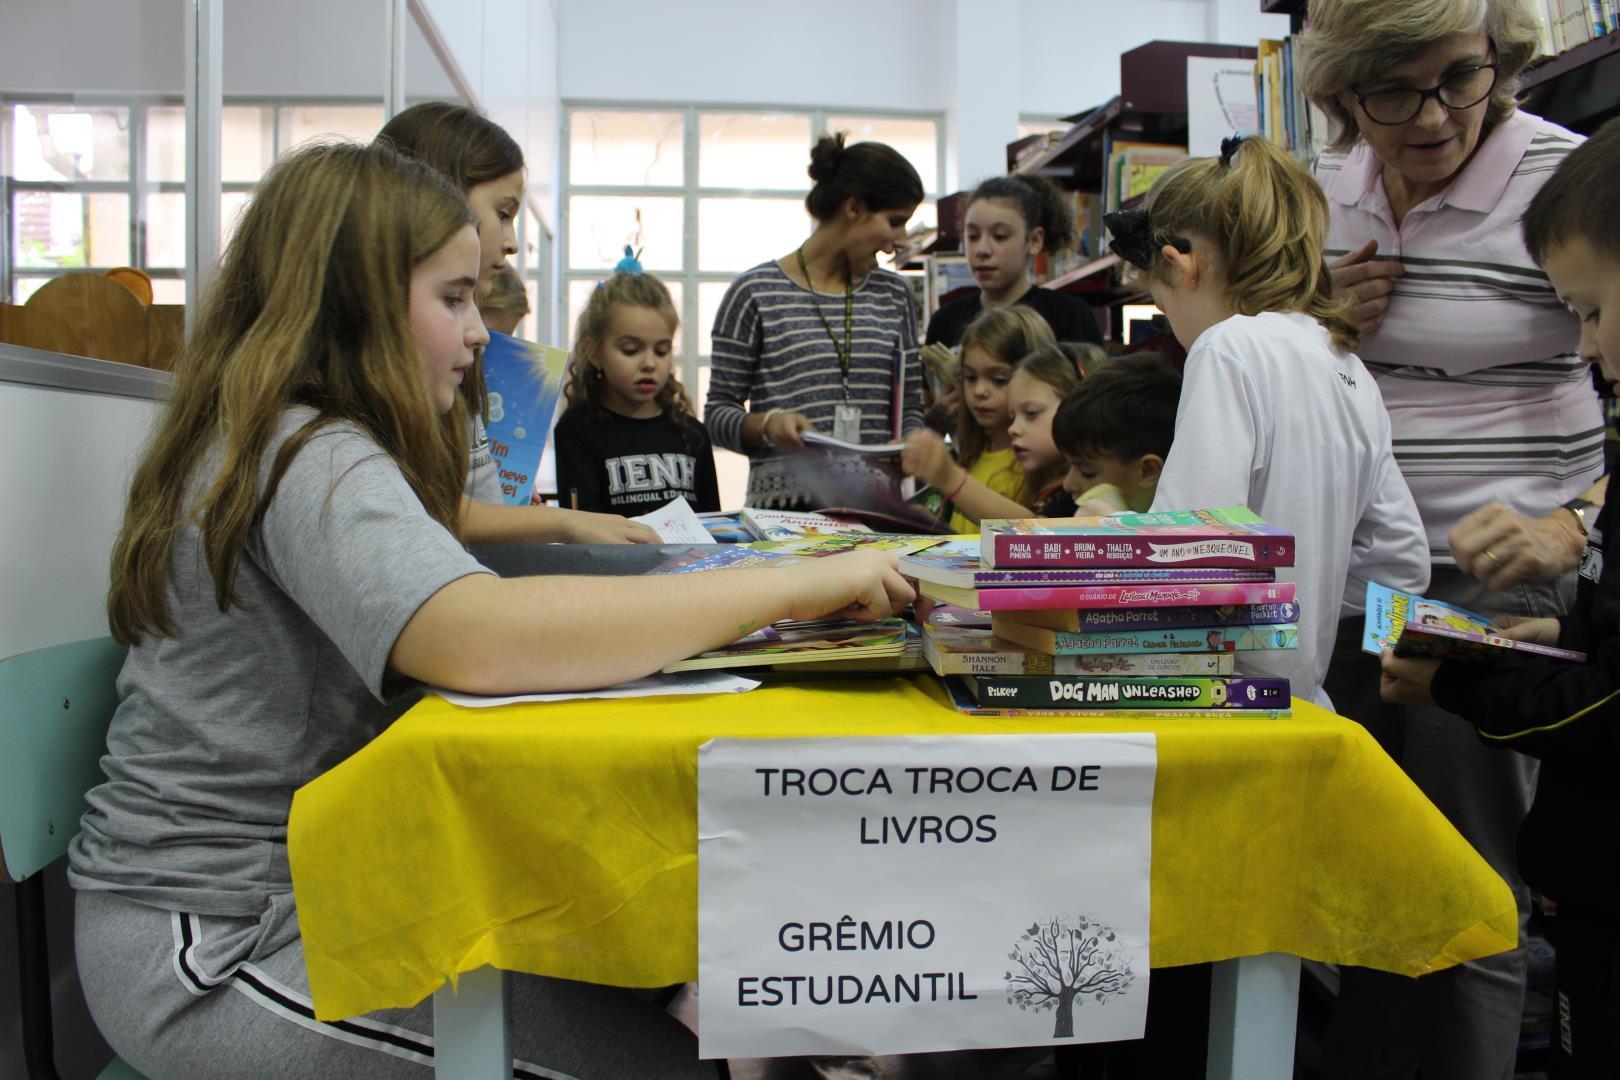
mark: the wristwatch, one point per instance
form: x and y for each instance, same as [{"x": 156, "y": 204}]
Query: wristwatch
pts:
[{"x": 1585, "y": 511}]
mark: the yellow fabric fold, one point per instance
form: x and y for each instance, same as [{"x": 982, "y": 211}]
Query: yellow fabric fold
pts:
[{"x": 561, "y": 839}]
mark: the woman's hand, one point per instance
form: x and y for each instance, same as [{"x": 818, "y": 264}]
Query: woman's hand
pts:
[
  {"x": 928, "y": 459},
  {"x": 863, "y": 585},
  {"x": 584, "y": 527},
  {"x": 785, "y": 430},
  {"x": 1502, "y": 547},
  {"x": 1366, "y": 283},
  {"x": 1405, "y": 681}
]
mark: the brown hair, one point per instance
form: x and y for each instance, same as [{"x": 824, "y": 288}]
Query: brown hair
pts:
[
  {"x": 1057, "y": 367},
  {"x": 309, "y": 308},
  {"x": 1125, "y": 408},
  {"x": 1349, "y": 42},
  {"x": 1267, "y": 219},
  {"x": 590, "y": 334},
  {"x": 470, "y": 149},
  {"x": 1008, "y": 334},
  {"x": 1039, "y": 203},
  {"x": 875, "y": 173},
  {"x": 1580, "y": 199},
  {"x": 507, "y": 293}
]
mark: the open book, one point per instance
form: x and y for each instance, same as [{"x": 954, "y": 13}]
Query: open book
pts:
[{"x": 1418, "y": 626}]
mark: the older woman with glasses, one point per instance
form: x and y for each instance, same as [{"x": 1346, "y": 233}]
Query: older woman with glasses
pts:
[{"x": 1497, "y": 430}]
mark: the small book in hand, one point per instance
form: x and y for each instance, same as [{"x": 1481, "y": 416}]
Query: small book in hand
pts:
[{"x": 1419, "y": 627}]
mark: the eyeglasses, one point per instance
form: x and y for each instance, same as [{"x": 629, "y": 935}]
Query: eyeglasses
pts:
[{"x": 1461, "y": 90}]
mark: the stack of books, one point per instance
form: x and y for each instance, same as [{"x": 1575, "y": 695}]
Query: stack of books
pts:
[{"x": 1133, "y": 611}]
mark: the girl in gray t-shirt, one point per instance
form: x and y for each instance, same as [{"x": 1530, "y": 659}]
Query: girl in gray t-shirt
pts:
[{"x": 287, "y": 571}]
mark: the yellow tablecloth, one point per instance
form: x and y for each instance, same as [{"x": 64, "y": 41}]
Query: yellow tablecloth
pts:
[{"x": 561, "y": 839}]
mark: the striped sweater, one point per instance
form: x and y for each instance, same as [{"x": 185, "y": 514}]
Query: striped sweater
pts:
[
  {"x": 1476, "y": 356},
  {"x": 772, "y": 351}
]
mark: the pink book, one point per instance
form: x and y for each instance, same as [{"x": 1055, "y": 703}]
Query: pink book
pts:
[
  {"x": 1225, "y": 537},
  {"x": 1065, "y": 597}
]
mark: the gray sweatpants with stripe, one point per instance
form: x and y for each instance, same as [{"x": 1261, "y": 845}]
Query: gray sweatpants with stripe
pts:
[{"x": 187, "y": 997}]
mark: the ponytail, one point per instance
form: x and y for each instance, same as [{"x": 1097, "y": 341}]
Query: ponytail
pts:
[
  {"x": 1268, "y": 219},
  {"x": 1039, "y": 202}
]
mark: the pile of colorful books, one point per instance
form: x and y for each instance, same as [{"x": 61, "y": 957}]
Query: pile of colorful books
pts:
[{"x": 1133, "y": 611}]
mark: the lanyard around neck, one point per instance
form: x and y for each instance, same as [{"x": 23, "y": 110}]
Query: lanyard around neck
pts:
[{"x": 849, "y": 317}]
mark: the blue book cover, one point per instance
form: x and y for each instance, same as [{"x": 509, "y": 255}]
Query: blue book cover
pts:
[{"x": 524, "y": 382}]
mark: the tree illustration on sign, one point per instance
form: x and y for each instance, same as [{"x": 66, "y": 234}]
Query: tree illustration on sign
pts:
[{"x": 1063, "y": 961}]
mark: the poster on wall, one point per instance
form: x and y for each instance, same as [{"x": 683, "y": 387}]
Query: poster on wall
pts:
[{"x": 910, "y": 894}]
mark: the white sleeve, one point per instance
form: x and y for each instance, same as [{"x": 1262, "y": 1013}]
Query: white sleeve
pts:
[
  {"x": 1389, "y": 545},
  {"x": 1218, "y": 424}
]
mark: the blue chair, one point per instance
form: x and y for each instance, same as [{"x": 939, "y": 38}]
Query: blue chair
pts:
[{"x": 55, "y": 705}]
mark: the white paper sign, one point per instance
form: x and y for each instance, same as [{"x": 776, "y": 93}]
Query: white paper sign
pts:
[
  {"x": 892, "y": 895},
  {"x": 675, "y": 523},
  {"x": 1220, "y": 102}
]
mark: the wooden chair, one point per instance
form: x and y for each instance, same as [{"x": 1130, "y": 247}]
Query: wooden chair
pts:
[{"x": 55, "y": 705}]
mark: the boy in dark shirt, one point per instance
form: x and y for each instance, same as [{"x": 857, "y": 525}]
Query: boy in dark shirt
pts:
[{"x": 1565, "y": 714}]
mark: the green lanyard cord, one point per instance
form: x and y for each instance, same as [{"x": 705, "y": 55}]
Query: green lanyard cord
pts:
[{"x": 849, "y": 317}]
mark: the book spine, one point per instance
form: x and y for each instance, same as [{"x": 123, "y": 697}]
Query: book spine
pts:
[
  {"x": 1121, "y": 575},
  {"x": 1156, "y": 618},
  {"x": 1220, "y": 639},
  {"x": 1011, "y": 551},
  {"x": 1022, "y": 663},
  {"x": 1144, "y": 596},
  {"x": 1057, "y": 691}
]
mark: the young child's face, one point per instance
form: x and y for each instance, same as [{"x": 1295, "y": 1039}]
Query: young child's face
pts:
[
  {"x": 635, "y": 360},
  {"x": 1136, "y": 479},
  {"x": 1033, "y": 403},
  {"x": 984, "y": 388},
  {"x": 998, "y": 244},
  {"x": 495, "y": 203},
  {"x": 1588, "y": 281},
  {"x": 444, "y": 320}
]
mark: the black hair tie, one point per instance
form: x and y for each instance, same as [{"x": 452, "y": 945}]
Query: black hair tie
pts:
[{"x": 1135, "y": 240}]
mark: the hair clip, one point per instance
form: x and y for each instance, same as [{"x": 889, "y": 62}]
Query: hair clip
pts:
[
  {"x": 1135, "y": 240},
  {"x": 1229, "y": 146},
  {"x": 630, "y": 264}
]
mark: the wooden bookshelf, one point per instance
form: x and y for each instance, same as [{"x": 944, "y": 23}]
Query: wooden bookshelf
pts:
[{"x": 1580, "y": 88}]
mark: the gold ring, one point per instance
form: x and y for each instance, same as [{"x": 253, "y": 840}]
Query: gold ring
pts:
[{"x": 1491, "y": 555}]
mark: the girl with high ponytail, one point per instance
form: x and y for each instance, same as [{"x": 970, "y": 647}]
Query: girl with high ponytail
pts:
[
  {"x": 1277, "y": 413},
  {"x": 1009, "y": 221}
]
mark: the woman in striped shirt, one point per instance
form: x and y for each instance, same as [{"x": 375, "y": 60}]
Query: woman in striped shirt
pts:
[{"x": 821, "y": 339}]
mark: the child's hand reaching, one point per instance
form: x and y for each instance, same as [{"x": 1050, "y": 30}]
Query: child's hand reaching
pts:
[
  {"x": 928, "y": 459},
  {"x": 584, "y": 527},
  {"x": 864, "y": 585}
]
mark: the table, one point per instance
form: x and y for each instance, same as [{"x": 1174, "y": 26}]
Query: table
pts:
[{"x": 560, "y": 839}]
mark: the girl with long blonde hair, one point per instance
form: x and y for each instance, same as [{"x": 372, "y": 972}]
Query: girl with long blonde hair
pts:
[
  {"x": 1277, "y": 413},
  {"x": 287, "y": 577}
]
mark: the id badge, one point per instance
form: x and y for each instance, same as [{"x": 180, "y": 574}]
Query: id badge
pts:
[{"x": 847, "y": 423}]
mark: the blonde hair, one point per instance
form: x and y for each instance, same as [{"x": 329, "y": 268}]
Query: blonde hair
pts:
[
  {"x": 507, "y": 293},
  {"x": 1058, "y": 365},
  {"x": 585, "y": 382},
  {"x": 1268, "y": 220},
  {"x": 1007, "y": 334},
  {"x": 309, "y": 308},
  {"x": 1349, "y": 42}
]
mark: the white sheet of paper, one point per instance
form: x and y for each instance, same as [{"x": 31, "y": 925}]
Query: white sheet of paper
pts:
[
  {"x": 1220, "y": 102},
  {"x": 660, "y": 685},
  {"x": 831, "y": 442},
  {"x": 676, "y": 523},
  {"x": 887, "y": 895}
]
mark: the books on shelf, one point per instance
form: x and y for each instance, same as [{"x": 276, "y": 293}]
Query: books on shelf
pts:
[
  {"x": 952, "y": 650},
  {"x": 1191, "y": 692},
  {"x": 1231, "y": 536},
  {"x": 1420, "y": 627},
  {"x": 1285, "y": 116},
  {"x": 1215, "y": 639}
]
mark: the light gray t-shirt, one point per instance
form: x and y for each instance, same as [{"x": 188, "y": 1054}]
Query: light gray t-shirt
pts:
[
  {"x": 483, "y": 475},
  {"x": 219, "y": 725}
]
